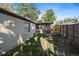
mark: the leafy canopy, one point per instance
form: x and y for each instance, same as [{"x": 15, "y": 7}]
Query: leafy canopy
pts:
[
  {"x": 48, "y": 16},
  {"x": 28, "y": 10},
  {"x": 70, "y": 20}
]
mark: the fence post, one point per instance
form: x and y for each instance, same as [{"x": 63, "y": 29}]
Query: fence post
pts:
[
  {"x": 66, "y": 31},
  {"x": 60, "y": 30},
  {"x": 63, "y": 31},
  {"x": 73, "y": 32}
]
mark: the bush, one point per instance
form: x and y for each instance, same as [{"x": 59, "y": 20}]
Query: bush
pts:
[{"x": 28, "y": 48}]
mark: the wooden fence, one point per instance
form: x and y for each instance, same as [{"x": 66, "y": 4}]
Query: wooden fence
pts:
[{"x": 69, "y": 31}]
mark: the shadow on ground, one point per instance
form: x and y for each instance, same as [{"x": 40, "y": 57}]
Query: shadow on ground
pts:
[{"x": 64, "y": 46}]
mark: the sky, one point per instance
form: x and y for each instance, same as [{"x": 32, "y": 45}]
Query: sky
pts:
[{"x": 61, "y": 10}]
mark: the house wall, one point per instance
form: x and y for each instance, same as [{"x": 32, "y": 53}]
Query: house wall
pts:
[{"x": 12, "y": 31}]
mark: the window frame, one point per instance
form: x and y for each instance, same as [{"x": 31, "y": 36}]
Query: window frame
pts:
[{"x": 27, "y": 26}]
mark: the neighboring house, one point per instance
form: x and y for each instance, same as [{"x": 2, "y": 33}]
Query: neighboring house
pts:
[{"x": 14, "y": 29}]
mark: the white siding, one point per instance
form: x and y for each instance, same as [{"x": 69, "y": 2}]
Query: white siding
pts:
[{"x": 10, "y": 30}]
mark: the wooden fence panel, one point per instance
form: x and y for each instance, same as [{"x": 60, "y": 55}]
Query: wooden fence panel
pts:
[
  {"x": 70, "y": 31},
  {"x": 62, "y": 30},
  {"x": 76, "y": 33},
  {"x": 65, "y": 31}
]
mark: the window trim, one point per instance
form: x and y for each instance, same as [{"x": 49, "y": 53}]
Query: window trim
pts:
[{"x": 28, "y": 28}]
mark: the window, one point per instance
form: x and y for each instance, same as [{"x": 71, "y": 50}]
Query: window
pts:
[{"x": 27, "y": 27}]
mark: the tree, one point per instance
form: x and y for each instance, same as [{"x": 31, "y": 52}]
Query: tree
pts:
[
  {"x": 49, "y": 16},
  {"x": 28, "y": 10},
  {"x": 7, "y": 6},
  {"x": 70, "y": 20}
]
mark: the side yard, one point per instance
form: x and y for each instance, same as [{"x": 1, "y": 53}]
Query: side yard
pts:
[
  {"x": 37, "y": 45},
  {"x": 64, "y": 46}
]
